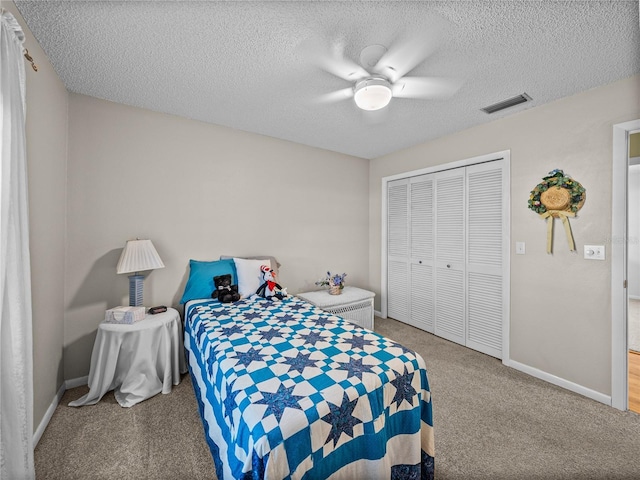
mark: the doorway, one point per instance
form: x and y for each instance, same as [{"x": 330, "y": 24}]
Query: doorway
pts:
[
  {"x": 621, "y": 238},
  {"x": 633, "y": 271}
]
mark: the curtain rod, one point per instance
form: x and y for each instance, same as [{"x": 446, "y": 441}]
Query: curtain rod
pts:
[{"x": 26, "y": 52}]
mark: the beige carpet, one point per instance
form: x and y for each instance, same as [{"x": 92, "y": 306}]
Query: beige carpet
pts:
[
  {"x": 491, "y": 422},
  {"x": 160, "y": 438}
]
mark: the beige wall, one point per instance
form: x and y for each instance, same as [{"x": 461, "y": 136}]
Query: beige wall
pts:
[
  {"x": 198, "y": 191},
  {"x": 560, "y": 303},
  {"x": 46, "y": 157}
]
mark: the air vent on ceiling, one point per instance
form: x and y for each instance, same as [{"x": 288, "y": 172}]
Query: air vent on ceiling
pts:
[{"x": 509, "y": 102}]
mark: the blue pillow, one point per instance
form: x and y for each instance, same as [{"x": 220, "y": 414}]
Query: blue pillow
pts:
[{"x": 200, "y": 283}]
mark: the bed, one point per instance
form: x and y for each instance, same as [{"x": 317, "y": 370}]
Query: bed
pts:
[{"x": 288, "y": 391}]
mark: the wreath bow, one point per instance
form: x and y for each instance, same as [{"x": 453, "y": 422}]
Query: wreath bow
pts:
[{"x": 565, "y": 222}]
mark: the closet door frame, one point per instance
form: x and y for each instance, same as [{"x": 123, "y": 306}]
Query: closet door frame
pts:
[{"x": 506, "y": 156}]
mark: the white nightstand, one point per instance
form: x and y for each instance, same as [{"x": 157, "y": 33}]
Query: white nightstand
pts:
[
  {"x": 353, "y": 304},
  {"x": 137, "y": 361}
]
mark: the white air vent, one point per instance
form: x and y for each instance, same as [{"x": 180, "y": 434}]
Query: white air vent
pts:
[{"x": 510, "y": 102}]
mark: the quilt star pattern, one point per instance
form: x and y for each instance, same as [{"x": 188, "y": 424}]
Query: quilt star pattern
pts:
[{"x": 288, "y": 391}]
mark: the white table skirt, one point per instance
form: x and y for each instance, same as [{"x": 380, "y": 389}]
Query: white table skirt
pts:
[{"x": 136, "y": 361}]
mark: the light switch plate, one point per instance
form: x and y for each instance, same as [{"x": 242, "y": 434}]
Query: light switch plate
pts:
[
  {"x": 594, "y": 252},
  {"x": 520, "y": 248}
]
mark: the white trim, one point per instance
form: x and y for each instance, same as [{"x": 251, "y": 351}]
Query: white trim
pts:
[
  {"x": 66, "y": 385},
  {"x": 634, "y": 297},
  {"x": 560, "y": 382},
  {"x": 620, "y": 163},
  {"x": 504, "y": 154},
  {"x": 47, "y": 416},
  {"x": 506, "y": 257},
  {"x": 383, "y": 248},
  {"x": 378, "y": 314},
  {"x": 76, "y": 382},
  {"x": 448, "y": 166}
]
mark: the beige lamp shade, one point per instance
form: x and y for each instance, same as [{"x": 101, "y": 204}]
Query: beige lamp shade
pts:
[{"x": 138, "y": 256}]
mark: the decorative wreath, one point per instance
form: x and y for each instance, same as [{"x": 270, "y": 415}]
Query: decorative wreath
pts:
[
  {"x": 557, "y": 200},
  {"x": 557, "y": 196}
]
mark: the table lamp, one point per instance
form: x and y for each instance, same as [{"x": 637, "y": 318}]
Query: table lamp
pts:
[{"x": 138, "y": 256}]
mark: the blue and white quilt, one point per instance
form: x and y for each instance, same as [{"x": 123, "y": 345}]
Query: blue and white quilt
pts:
[{"x": 288, "y": 391}]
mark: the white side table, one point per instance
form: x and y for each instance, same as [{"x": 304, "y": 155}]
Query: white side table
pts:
[
  {"x": 138, "y": 361},
  {"x": 353, "y": 304}
]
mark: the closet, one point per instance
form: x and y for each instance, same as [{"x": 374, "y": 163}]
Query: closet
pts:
[{"x": 447, "y": 244}]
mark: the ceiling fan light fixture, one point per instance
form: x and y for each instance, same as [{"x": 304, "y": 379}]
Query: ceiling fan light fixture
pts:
[{"x": 372, "y": 93}]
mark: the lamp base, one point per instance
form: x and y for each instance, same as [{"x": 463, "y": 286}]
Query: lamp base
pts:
[{"x": 135, "y": 290}]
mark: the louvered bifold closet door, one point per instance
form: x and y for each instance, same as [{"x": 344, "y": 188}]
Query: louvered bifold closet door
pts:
[
  {"x": 398, "y": 289},
  {"x": 449, "y": 207},
  {"x": 422, "y": 253},
  {"x": 485, "y": 250}
]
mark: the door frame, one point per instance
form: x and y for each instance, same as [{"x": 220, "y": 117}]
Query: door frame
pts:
[
  {"x": 618, "y": 242},
  {"x": 504, "y": 154}
]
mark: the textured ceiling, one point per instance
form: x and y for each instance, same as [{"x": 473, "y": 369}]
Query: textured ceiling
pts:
[{"x": 245, "y": 65}]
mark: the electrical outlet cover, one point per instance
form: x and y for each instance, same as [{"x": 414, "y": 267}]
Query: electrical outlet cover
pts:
[{"x": 594, "y": 252}]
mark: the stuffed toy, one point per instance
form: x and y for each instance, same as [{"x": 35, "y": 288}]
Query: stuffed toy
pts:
[
  {"x": 225, "y": 292},
  {"x": 270, "y": 289}
]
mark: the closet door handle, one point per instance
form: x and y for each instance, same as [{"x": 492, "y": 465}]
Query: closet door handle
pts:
[
  {"x": 448, "y": 265},
  {"x": 419, "y": 261}
]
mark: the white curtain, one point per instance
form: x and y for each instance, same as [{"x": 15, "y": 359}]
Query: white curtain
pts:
[{"x": 16, "y": 364}]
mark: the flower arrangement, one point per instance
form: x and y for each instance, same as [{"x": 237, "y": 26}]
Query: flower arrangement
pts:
[{"x": 335, "y": 282}]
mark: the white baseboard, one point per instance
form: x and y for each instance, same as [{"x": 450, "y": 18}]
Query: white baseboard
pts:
[
  {"x": 377, "y": 314},
  {"x": 76, "y": 382},
  {"x": 47, "y": 416},
  {"x": 560, "y": 382},
  {"x": 634, "y": 297},
  {"x": 66, "y": 385}
]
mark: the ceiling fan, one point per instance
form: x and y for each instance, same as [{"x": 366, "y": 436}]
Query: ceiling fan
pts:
[{"x": 381, "y": 73}]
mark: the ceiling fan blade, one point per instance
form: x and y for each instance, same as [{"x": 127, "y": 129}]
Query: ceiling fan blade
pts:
[
  {"x": 337, "y": 96},
  {"x": 331, "y": 59},
  {"x": 405, "y": 54},
  {"x": 343, "y": 68},
  {"x": 426, "y": 87}
]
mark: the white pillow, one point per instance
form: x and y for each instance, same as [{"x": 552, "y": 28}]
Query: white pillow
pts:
[
  {"x": 275, "y": 265},
  {"x": 249, "y": 275}
]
